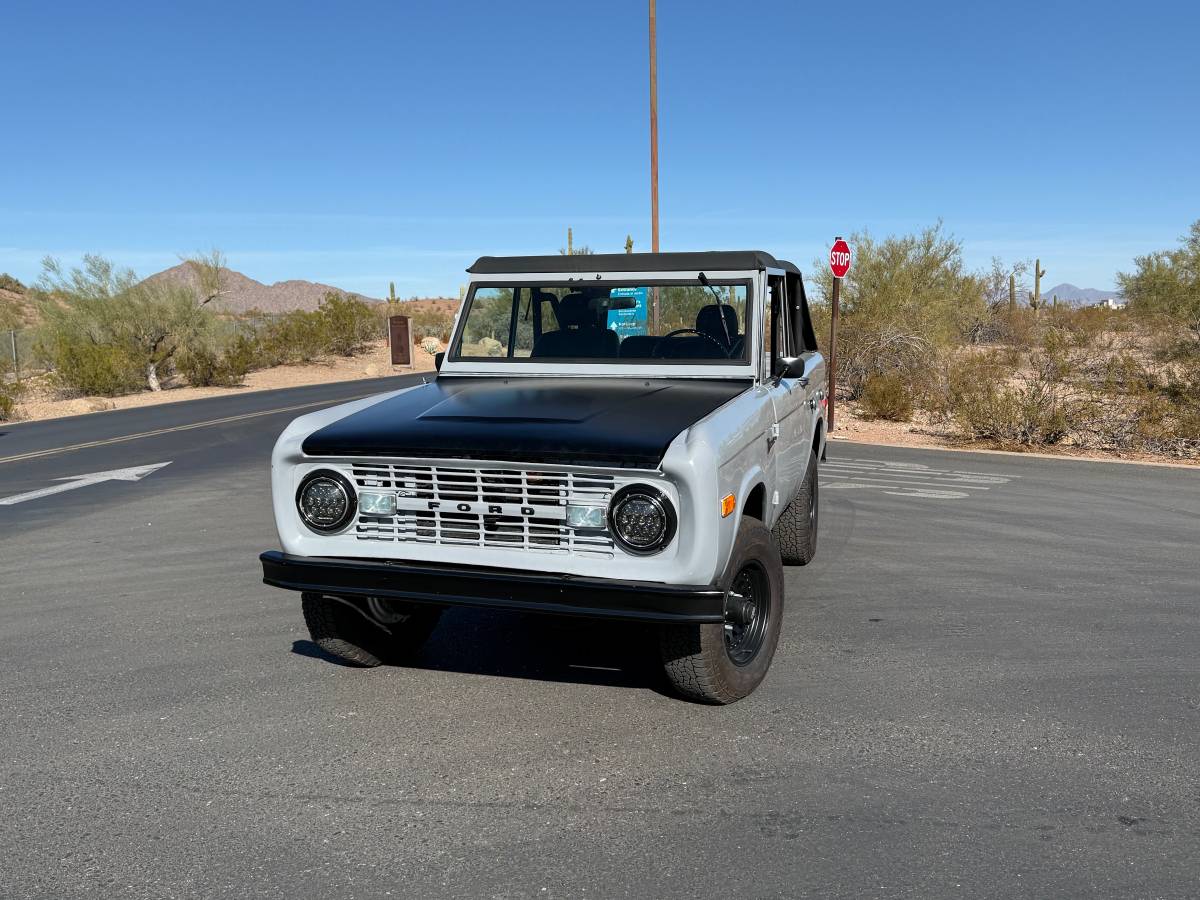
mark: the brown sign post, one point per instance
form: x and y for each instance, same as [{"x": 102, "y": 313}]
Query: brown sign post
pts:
[
  {"x": 399, "y": 337},
  {"x": 839, "y": 265}
]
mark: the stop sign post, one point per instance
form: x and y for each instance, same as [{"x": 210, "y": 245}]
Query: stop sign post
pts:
[{"x": 839, "y": 265}]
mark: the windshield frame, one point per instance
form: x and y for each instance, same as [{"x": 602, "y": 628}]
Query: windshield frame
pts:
[{"x": 676, "y": 368}]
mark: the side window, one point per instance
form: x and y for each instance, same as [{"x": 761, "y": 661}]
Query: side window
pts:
[
  {"x": 778, "y": 338},
  {"x": 802, "y": 331}
]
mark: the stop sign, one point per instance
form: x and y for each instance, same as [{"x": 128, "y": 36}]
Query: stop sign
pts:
[{"x": 839, "y": 258}]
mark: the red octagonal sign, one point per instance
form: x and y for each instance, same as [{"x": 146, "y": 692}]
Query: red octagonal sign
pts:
[{"x": 839, "y": 258}]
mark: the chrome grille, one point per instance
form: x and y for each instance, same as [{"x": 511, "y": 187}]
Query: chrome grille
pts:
[{"x": 514, "y": 508}]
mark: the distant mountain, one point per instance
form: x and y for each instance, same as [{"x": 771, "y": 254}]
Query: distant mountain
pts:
[
  {"x": 243, "y": 293},
  {"x": 1077, "y": 296}
]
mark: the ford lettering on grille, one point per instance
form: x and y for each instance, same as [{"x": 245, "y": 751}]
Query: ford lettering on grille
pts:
[{"x": 482, "y": 509}]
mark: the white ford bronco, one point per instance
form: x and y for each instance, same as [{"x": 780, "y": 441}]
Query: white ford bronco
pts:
[{"x": 625, "y": 436}]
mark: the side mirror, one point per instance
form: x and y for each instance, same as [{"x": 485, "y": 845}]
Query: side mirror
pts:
[
  {"x": 792, "y": 367},
  {"x": 437, "y": 359}
]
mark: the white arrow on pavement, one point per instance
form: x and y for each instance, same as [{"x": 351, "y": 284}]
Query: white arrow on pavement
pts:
[{"x": 70, "y": 483}]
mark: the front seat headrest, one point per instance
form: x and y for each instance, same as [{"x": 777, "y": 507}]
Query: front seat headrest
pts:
[
  {"x": 708, "y": 321},
  {"x": 572, "y": 311}
]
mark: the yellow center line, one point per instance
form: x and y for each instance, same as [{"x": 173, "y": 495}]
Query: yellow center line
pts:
[{"x": 120, "y": 439}]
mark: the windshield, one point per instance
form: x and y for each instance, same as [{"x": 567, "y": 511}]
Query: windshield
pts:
[{"x": 631, "y": 322}]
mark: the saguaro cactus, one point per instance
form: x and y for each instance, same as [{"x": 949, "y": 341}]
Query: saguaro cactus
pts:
[
  {"x": 391, "y": 292},
  {"x": 629, "y": 243},
  {"x": 1012, "y": 293},
  {"x": 1035, "y": 299}
]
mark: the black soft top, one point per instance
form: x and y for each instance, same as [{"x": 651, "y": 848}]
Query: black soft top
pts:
[{"x": 708, "y": 261}]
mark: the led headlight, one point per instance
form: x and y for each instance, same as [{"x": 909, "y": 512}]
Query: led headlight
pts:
[
  {"x": 325, "y": 501},
  {"x": 641, "y": 518}
]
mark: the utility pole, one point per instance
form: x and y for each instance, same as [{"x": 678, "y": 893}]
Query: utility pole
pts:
[{"x": 654, "y": 146}]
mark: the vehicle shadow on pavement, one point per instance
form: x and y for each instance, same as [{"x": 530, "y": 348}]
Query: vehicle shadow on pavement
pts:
[{"x": 545, "y": 648}]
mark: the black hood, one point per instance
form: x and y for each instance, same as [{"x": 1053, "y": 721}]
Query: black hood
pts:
[{"x": 607, "y": 421}]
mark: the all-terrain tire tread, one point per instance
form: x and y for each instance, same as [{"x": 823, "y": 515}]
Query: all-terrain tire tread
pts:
[
  {"x": 327, "y": 630},
  {"x": 694, "y": 656},
  {"x": 793, "y": 531}
]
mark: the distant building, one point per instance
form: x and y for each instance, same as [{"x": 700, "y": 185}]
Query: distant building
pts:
[{"x": 1113, "y": 303}]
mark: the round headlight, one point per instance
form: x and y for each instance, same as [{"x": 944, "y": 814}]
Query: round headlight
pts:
[
  {"x": 326, "y": 501},
  {"x": 641, "y": 518}
]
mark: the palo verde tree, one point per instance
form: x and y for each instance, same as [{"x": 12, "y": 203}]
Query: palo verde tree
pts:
[
  {"x": 905, "y": 296},
  {"x": 1167, "y": 284},
  {"x": 105, "y": 331}
]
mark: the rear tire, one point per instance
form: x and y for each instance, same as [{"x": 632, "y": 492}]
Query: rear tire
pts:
[
  {"x": 796, "y": 529},
  {"x": 722, "y": 663},
  {"x": 365, "y": 631}
]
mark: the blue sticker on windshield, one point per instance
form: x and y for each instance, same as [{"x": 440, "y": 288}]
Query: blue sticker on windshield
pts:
[{"x": 633, "y": 320}]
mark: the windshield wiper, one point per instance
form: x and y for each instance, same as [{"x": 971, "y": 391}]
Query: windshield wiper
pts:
[{"x": 724, "y": 325}]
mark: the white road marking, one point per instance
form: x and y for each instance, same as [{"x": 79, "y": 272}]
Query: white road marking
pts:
[
  {"x": 911, "y": 476},
  {"x": 908, "y": 479},
  {"x": 120, "y": 439},
  {"x": 71, "y": 482},
  {"x": 882, "y": 483}
]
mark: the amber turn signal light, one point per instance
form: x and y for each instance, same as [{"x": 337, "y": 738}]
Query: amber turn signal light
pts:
[{"x": 728, "y": 504}]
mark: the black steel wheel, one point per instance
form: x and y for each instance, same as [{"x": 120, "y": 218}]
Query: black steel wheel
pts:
[
  {"x": 722, "y": 663},
  {"x": 747, "y": 614}
]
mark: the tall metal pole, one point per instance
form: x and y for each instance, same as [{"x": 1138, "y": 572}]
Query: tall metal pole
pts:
[
  {"x": 654, "y": 145},
  {"x": 653, "y": 129},
  {"x": 833, "y": 317}
]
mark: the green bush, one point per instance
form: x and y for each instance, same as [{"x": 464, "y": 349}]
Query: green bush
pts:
[
  {"x": 9, "y": 391},
  {"x": 976, "y": 399},
  {"x": 428, "y": 323},
  {"x": 83, "y": 367},
  {"x": 348, "y": 324},
  {"x": 203, "y": 367},
  {"x": 887, "y": 396},
  {"x": 294, "y": 337}
]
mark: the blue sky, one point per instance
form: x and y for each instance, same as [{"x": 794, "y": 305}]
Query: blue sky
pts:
[{"x": 359, "y": 143}]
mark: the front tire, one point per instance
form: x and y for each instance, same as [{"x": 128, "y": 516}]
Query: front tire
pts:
[
  {"x": 366, "y": 631},
  {"x": 796, "y": 529},
  {"x": 722, "y": 663}
]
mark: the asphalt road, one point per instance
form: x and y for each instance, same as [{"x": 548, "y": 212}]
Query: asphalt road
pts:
[{"x": 988, "y": 686}]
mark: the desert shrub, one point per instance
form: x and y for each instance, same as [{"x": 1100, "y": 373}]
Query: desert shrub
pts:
[
  {"x": 430, "y": 323},
  {"x": 8, "y": 283},
  {"x": 913, "y": 284},
  {"x": 347, "y": 324},
  {"x": 887, "y": 396},
  {"x": 9, "y": 392},
  {"x": 204, "y": 367},
  {"x": 294, "y": 337},
  {"x": 978, "y": 397},
  {"x": 83, "y": 367},
  {"x": 1141, "y": 408},
  {"x": 1166, "y": 285},
  {"x": 431, "y": 346},
  {"x": 867, "y": 350}
]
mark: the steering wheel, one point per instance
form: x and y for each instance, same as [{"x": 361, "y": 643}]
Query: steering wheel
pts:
[{"x": 708, "y": 337}]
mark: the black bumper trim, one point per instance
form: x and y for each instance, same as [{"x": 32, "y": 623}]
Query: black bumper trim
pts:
[{"x": 498, "y": 589}]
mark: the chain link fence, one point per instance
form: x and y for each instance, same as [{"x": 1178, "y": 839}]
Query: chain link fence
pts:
[{"x": 17, "y": 358}]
